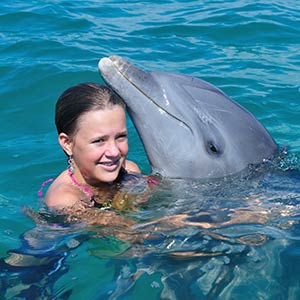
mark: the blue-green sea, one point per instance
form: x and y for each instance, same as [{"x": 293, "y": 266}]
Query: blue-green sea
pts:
[{"x": 242, "y": 238}]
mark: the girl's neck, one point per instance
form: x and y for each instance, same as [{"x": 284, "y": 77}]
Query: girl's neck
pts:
[{"x": 84, "y": 188}]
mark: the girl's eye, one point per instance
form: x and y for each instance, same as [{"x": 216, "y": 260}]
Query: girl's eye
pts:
[
  {"x": 97, "y": 141},
  {"x": 122, "y": 136}
]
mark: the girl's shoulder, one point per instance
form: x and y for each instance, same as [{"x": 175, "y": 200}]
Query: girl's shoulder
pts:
[
  {"x": 132, "y": 167},
  {"x": 61, "y": 193}
]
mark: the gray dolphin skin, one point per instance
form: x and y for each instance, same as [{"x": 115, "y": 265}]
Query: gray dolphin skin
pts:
[{"x": 189, "y": 128}]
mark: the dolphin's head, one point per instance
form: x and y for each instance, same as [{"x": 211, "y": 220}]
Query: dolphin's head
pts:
[{"x": 189, "y": 128}]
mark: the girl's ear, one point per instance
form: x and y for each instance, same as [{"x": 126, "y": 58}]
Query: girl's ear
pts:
[{"x": 65, "y": 142}]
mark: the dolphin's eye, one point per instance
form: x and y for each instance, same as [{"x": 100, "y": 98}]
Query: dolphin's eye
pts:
[{"x": 212, "y": 148}]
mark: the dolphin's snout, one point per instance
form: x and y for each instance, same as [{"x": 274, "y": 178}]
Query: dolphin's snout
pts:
[
  {"x": 114, "y": 62},
  {"x": 104, "y": 63},
  {"x": 115, "y": 58}
]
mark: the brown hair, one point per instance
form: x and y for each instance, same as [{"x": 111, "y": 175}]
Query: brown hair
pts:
[{"x": 80, "y": 99}]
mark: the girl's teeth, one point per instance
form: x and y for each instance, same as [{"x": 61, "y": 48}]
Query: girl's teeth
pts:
[{"x": 109, "y": 163}]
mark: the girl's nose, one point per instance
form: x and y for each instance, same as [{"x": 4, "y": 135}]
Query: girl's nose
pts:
[{"x": 112, "y": 149}]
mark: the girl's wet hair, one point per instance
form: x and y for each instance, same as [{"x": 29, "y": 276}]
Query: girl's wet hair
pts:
[{"x": 80, "y": 99}]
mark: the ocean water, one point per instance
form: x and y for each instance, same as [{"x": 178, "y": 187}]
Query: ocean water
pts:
[{"x": 241, "y": 236}]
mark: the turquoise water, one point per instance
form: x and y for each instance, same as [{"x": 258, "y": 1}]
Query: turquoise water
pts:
[{"x": 248, "y": 49}]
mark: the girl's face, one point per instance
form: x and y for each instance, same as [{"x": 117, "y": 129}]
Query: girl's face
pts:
[{"x": 100, "y": 145}]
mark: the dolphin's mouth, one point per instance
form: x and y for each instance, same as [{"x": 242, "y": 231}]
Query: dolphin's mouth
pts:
[
  {"x": 122, "y": 66},
  {"x": 127, "y": 70}
]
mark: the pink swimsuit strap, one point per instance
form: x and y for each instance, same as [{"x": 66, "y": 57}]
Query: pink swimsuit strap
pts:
[
  {"x": 40, "y": 191},
  {"x": 151, "y": 180}
]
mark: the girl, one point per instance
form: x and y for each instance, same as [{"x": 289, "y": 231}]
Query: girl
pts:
[{"x": 91, "y": 125}]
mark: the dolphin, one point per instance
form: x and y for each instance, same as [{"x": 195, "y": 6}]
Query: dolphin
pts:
[{"x": 189, "y": 128}]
